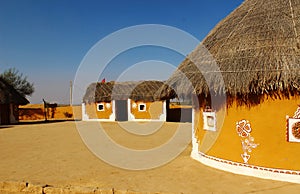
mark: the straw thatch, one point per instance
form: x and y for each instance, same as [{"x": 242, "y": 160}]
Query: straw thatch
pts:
[
  {"x": 147, "y": 91},
  {"x": 257, "y": 50},
  {"x": 9, "y": 95}
]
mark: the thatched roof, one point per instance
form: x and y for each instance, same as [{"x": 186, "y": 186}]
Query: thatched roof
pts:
[
  {"x": 142, "y": 90},
  {"x": 257, "y": 49},
  {"x": 9, "y": 95}
]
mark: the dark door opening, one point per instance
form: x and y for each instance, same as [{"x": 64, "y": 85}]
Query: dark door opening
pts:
[
  {"x": 4, "y": 114},
  {"x": 121, "y": 110},
  {"x": 179, "y": 113}
]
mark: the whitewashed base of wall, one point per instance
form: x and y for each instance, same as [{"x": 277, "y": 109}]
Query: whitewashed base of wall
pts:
[{"x": 246, "y": 169}]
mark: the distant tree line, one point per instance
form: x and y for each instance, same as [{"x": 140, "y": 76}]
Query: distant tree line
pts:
[{"x": 16, "y": 79}]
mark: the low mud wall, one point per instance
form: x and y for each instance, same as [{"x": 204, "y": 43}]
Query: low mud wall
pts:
[{"x": 37, "y": 112}]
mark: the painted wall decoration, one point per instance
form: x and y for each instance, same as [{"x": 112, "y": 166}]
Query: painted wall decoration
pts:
[
  {"x": 243, "y": 129},
  {"x": 297, "y": 113},
  {"x": 293, "y": 127},
  {"x": 134, "y": 105}
]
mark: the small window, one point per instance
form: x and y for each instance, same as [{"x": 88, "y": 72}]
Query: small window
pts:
[
  {"x": 209, "y": 121},
  {"x": 142, "y": 107},
  {"x": 100, "y": 107}
]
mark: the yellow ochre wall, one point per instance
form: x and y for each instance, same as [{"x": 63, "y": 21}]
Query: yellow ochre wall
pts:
[
  {"x": 268, "y": 123},
  {"x": 153, "y": 110},
  {"x": 36, "y": 112},
  {"x": 93, "y": 113}
]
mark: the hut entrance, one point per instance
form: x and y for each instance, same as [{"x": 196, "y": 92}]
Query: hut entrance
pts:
[
  {"x": 4, "y": 114},
  {"x": 121, "y": 110},
  {"x": 179, "y": 111}
]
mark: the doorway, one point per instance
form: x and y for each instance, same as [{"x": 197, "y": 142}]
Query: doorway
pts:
[
  {"x": 4, "y": 114},
  {"x": 121, "y": 110}
]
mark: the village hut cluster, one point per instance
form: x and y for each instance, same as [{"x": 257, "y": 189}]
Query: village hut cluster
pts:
[
  {"x": 127, "y": 101},
  {"x": 244, "y": 81},
  {"x": 10, "y": 99},
  {"x": 250, "y": 124}
]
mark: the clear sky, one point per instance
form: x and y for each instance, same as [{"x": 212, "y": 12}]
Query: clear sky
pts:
[{"x": 48, "y": 39}]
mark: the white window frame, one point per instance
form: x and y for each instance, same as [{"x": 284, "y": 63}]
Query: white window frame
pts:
[
  {"x": 142, "y": 110},
  {"x": 103, "y": 105},
  {"x": 290, "y": 124},
  {"x": 209, "y": 121}
]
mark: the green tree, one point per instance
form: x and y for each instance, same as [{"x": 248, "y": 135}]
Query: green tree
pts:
[{"x": 13, "y": 77}]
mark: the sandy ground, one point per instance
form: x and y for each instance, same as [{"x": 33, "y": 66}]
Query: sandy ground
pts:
[{"x": 54, "y": 154}]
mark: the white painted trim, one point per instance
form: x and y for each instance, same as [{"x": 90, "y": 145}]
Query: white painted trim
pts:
[
  {"x": 248, "y": 170},
  {"x": 131, "y": 117},
  {"x": 112, "y": 117},
  {"x": 195, "y": 144},
  {"x": 85, "y": 117},
  {"x": 163, "y": 116}
]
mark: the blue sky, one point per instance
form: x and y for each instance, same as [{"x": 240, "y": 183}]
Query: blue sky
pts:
[{"x": 48, "y": 39}]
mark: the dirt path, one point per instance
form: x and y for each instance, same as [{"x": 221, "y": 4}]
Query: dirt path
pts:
[{"x": 54, "y": 154}]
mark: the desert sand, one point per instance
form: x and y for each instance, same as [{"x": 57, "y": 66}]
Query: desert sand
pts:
[{"x": 54, "y": 154}]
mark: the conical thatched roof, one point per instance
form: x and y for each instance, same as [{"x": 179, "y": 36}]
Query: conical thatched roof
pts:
[
  {"x": 9, "y": 95},
  {"x": 257, "y": 48},
  {"x": 142, "y": 90}
]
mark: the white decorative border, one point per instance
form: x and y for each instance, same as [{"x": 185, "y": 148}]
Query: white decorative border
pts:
[
  {"x": 292, "y": 176},
  {"x": 248, "y": 170}
]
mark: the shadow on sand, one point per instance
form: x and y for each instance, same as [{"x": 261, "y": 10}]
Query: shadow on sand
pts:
[
  {"x": 35, "y": 122},
  {"x": 5, "y": 126},
  {"x": 43, "y": 121}
]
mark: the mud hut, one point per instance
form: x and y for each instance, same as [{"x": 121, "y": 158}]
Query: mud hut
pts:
[
  {"x": 10, "y": 99},
  {"x": 246, "y": 115},
  {"x": 126, "y": 101}
]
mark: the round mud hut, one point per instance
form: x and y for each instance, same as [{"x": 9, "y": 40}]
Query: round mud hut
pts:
[
  {"x": 126, "y": 101},
  {"x": 10, "y": 99},
  {"x": 245, "y": 84}
]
